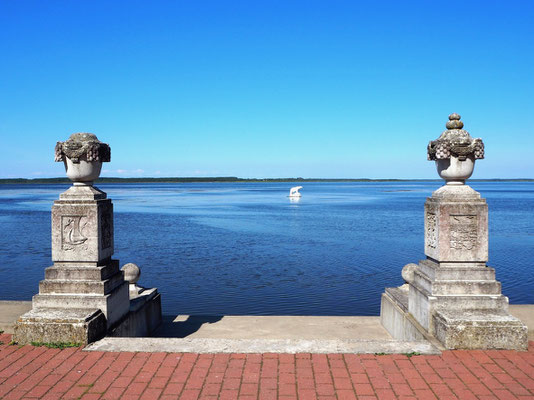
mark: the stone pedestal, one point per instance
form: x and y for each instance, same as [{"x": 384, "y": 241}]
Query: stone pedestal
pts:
[
  {"x": 84, "y": 281},
  {"x": 453, "y": 295},
  {"x": 84, "y": 294}
]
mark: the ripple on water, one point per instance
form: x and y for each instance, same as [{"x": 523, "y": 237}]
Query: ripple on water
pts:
[{"x": 245, "y": 249}]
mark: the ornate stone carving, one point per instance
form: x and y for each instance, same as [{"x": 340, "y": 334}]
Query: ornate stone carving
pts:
[
  {"x": 455, "y": 142},
  {"x": 82, "y": 144},
  {"x": 72, "y": 231},
  {"x": 105, "y": 226},
  {"x": 431, "y": 230},
  {"x": 463, "y": 232}
]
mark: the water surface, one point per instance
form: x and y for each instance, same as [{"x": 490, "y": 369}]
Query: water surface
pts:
[{"x": 246, "y": 249}]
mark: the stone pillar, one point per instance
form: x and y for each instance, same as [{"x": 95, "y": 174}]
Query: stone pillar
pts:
[
  {"x": 452, "y": 295},
  {"x": 84, "y": 294}
]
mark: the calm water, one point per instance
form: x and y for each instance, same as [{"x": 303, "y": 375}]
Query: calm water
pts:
[{"x": 244, "y": 248}]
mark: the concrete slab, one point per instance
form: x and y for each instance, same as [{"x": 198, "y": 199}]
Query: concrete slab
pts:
[
  {"x": 313, "y": 332},
  {"x": 525, "y": 312},
  {"x": 291, "y": 346},
  {"x": 272, "y": 327},
  {"x": 10, "y": 311},
  {"x": 267, "y": 334}
]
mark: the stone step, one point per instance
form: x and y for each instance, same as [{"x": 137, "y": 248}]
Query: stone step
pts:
[
  {"x": 485, "y": 302},
  {"x": 74, "y": 271},
  {"x": 436, "y": 271},
  {"x": 81, "y": 287},
  {"x": 114, "y": 304},
  {"x": 60, "y": 325},
  {"x": 457, "y": 302},
  {"x": 456, "y": 287},
  {"x": 480, "y": 329},
  {"x": 291, "y": 346},
  {"x": 466, "y": 287}
]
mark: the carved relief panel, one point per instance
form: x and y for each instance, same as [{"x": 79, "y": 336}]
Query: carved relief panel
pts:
[
  {"x": 463, "y": 232},
  {"x": 431, "y": 230},
  {"x": 82, "y": 231},
  {"x": 72, "y": 231},
  {"x": 456, "y": 231},
  {"x": 106, "y": 228}
]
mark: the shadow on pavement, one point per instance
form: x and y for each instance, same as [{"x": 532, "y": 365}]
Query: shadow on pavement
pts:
[{"x": 172, "y": 328}]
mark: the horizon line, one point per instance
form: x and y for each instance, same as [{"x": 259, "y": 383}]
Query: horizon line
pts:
[{"x": 237, "y": 179}]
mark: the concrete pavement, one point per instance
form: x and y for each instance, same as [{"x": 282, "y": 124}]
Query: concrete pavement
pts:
[{"x": 273, "y": 334}]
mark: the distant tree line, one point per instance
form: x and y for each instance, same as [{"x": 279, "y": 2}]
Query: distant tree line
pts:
[{"x": 232, "y": 179}]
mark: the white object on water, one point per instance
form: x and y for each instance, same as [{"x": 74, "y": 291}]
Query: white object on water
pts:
[{"x": 294, "y": 191}]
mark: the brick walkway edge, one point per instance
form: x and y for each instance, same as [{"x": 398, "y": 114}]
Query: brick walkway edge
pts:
[{"x": 37, "y": 372}]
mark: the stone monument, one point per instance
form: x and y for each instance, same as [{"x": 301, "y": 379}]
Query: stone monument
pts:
[
  {"x": 84, "y": 295},
  {"x": 452, "y": 295}
]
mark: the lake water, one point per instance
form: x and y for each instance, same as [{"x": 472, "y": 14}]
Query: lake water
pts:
[{"x": 245, "y": 249}]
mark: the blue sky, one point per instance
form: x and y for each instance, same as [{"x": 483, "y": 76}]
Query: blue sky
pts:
[{"x": 340, "y": 89}]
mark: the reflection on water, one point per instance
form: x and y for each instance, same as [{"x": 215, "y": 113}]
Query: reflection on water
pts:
[{"x": 246, "y": 248}]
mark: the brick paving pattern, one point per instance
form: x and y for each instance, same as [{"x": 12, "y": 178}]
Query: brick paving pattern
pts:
[{"x": 29, "y": 372}]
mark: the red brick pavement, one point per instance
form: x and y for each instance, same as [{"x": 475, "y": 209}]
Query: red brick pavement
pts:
[{"x": 36, "y": 372}]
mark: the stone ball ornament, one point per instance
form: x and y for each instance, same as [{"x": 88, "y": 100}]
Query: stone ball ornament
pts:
[
  {"x": 132, "y": 273},
  {"x": 82, "y": 155},
  {"x": 408, "y": 272},
  {"x": 455, "y": 152}
]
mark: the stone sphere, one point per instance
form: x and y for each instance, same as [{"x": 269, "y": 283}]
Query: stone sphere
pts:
[
  {"x": 131, "y": 272},
  {"x": 408, "y": 272}
]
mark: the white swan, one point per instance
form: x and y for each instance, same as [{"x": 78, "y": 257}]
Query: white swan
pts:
[{"x": 294, "y": 191}]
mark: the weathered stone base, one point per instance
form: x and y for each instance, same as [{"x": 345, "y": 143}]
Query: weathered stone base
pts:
[
  {"x": 85, "y": 285},
  {"x": 144, "y": 316},
  {"x": 83, "y": 326},
  {"x": 60, "y": 326},
  {"x": 84, "y": 295},
  {"x": 480, "y": 329},
  {"x": 114, "y": 304},
  {"x": 453, "y": 329}
]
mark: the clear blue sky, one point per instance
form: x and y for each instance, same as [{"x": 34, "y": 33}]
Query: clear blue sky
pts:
[{"x": 342, "y": 89}]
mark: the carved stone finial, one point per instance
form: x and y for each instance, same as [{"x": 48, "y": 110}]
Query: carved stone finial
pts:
[
  {"x": 454, "y": 122},
  {"x": 83, "y": 155},
  {"x": 83, "y": 144},
  {"x": 455, "y": 152},
  {"x": 455, "y": 142}
]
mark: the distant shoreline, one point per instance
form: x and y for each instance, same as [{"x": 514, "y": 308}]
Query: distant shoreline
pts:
[{"x": 233, "y": 179}]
